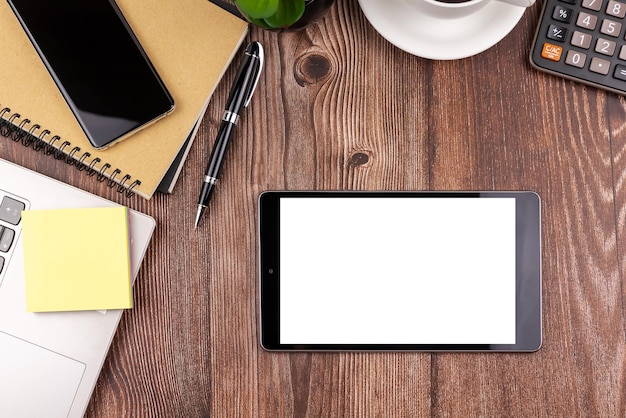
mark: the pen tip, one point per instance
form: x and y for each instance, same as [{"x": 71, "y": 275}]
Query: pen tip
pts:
[{"x": 198, "y": 215}]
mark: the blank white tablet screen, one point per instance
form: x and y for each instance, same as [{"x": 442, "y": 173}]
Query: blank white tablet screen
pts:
[{"x": 397, "y": 270}]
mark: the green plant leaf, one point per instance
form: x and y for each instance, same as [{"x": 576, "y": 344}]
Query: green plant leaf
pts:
[
  {"x": 258, "y": 9},
  {"x": 288, "y": 13}
]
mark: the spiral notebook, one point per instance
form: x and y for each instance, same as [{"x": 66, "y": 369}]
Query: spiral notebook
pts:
[{"x": 190, "y": 44}]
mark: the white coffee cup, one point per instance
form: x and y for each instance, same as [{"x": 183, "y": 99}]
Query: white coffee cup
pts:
[{"x": 454, "y": 9}]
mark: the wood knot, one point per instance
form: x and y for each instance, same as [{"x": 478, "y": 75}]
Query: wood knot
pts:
[
  {"x": 359, "y": 158},
  {"x": 311, "y": 69}
]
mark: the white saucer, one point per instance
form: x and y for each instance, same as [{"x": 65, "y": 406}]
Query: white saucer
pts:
[{"x": 441, "y": 39}]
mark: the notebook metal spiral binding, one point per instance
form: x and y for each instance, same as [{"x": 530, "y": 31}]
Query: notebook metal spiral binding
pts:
[{"x": 13, "y": 126}]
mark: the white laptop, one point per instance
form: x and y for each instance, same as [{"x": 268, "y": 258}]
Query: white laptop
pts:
[{"x": 49, "y": 362}]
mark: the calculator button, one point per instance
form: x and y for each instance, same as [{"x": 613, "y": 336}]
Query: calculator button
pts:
[
  {"x": 620, "y": 72},
  {"x": 575, "y": 59},
  {"x": 615, "y": 8},
  {"x": 606, "y": 47},
  {"x": 622, "y": 53},
  {"x": 592, "y": 4},
  {"x": 587, "y": 21},
  {"x": 580, "y": 39},
  {"x": 556, "y": 33},
  {"x": 551, "y": 52},
  {"x": 599, "y": 65},
  {"x": 611, "y": 28},
  {"x": 562, "y": 14}
]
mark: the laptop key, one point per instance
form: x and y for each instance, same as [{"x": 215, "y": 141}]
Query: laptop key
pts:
[
  {"x": 11, "y": 210},
  {"x": 6, "y": 239}
]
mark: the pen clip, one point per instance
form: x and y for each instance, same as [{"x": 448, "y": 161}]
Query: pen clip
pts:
[{"x": 261, "y": 58}]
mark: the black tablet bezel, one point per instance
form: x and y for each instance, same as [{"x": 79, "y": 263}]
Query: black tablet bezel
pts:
[{"x": 528, "y": 272}]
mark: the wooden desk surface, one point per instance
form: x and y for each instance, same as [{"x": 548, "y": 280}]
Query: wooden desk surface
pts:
[{"x": 338, "y": 107}]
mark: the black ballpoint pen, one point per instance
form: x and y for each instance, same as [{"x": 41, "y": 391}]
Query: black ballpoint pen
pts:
[{"x": 240, "y": 94}]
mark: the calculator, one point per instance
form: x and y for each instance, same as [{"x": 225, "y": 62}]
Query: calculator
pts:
[{"x": 583, "y": 40}]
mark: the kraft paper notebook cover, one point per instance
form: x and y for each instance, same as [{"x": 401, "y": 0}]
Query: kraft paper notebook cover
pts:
[{"x": 190, "y": 43}]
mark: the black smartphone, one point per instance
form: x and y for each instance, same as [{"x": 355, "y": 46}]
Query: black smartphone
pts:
[{"x": 98, "y": 65}]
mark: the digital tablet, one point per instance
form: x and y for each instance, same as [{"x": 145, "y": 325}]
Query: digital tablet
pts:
[{"x": 400, "y": 271}]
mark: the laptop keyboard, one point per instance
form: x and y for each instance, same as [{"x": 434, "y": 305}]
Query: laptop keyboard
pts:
[{"x": 11, "y": 208}]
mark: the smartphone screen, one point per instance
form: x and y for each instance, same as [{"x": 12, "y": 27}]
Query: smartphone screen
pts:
[{"x": 97, "y": 63}]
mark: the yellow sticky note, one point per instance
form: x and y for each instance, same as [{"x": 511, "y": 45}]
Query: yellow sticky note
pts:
[{"x": 76, "y": 259}]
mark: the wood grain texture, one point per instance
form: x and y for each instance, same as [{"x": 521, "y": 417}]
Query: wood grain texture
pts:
[{"x": 339, "y": 108}]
